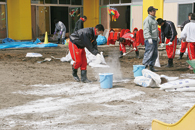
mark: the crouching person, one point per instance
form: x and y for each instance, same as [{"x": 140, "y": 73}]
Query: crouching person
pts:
[{"x": 78, "y": 41}]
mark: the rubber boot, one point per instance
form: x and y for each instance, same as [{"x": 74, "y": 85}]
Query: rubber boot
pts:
[
  {"x": 152, "y": 68},
  {"x": 121, "y": 54},
  {"x": 58, "y": 41},
  {"x": 137, "y": 54},
  {"x": 63, "y": 40},
  {"x": 170, "y": 63},
  {"x": 180, "y": 56},
  {"x": 188, "y": 57},
  {"x": 84, "y": 76},
  {"x": 74, "y": 74}
]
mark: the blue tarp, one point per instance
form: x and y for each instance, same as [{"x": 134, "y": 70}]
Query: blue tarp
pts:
[{"x": 26, "y": 44}]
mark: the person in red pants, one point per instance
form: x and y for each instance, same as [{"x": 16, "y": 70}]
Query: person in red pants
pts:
[
  {"x": 184, "y": 44},
  {"x": 78, "y": 41},
  {"x": 168, "y": 30},
  {"x": 128, "y": 39},
  {"x": 187, "y": 35}
]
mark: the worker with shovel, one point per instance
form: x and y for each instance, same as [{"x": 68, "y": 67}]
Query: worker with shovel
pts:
[
  {"x": 187, "y": 35},
  {"x": 168, "y": 30},
  {"x": 128, "y": 39},
  {"x": 80, "y": 39}
]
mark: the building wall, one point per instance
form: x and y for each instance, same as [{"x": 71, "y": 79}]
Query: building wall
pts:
[
  {"x": 19, "y": 19},
  {"x": 91, "y": 10},
  {"x": 171, "y": 14},
  {"x": 136, "y": 16},
  {"x": 104, "y": 17}
]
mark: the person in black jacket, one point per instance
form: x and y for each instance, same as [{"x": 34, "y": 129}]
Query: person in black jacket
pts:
[
  {"x": 168, "y": 30},
  {"x": 79, "y": 23},
  {"x": 184, "y": 44},
  {"x": 80, "y": 39}
]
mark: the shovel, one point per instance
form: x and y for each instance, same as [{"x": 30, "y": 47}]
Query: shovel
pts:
[{"x": 46, "y": 59}]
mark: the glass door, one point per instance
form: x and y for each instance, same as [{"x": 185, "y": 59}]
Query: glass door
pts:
[{"x": 74, "y": 15}]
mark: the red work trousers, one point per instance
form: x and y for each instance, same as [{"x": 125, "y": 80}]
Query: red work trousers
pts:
[
  {"x": 122, "y": 46},
  {"x": 78, "y": 55},
  {"x": 183, "y": 47},
  {"x": 172, "y": 48},
  {"x": 191, "y": 50}
]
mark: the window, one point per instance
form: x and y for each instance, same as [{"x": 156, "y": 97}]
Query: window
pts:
[
  {"x": 114, "y": 1},
  {"x": 106, "y": 2},
  {"x": 3, "y": 28},
  {"x": 76, "y": 2},
  {"x": 51, "y": 1},
  {"x": 64, "y": 1},
  {"x": 37, "y": 1},
  {"x": 125, "y": 1},
  {"x": 184, "y": 10},
  {"x": 2, "y": 0}
]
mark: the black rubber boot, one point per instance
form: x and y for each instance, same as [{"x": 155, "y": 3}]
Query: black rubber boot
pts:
[
  {"x": 74, "y": 74},
  {"x": 121, "y": 54},
  {"x": 137, "y": 54},
  {"x": 63, "y": 40},
  {"x": 170, "y": 63},
  {"x": 180, "y": 56},
  {"x": 152, "y": 69},
  {"x": 58, "y": 41},
  {"x": 84, "y": 76}
]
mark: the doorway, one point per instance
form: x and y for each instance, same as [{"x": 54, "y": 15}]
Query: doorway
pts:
[
  {"x": 123, "y": 21},
  {"x": 60, "y": 13}
]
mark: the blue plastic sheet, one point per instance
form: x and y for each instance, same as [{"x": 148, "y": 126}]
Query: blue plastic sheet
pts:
[
  {"x": 26, "y": 44},
  {"x": 7, "y": 40},
  {"x": 101, "y": 40}
]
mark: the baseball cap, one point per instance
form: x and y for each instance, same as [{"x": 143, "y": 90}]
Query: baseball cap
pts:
[{"x": 151, "y": 8}]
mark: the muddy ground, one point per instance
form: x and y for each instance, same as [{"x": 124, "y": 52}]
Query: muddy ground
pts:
[{"x": 44, "y": 96}]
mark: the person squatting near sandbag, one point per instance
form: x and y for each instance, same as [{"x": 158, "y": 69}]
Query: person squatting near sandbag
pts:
[
  {"x": 60, "y": 29},
  {"x": 151, "y": 39},
  {"x": 168, "y": 30},
  {"x": 184, "y": 44},
  {"x": 188, "y": 35},
  {"x": 128, "y": 39},
  {"x": 78, "y": 41},
  {"x": 79, "y": 23}
]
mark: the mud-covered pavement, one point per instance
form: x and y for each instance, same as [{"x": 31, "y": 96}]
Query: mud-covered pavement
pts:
[{"x": 44, "y": 96}]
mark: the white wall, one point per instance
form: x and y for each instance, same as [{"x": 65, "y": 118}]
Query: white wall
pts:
[{"x": 136, "y": 18}]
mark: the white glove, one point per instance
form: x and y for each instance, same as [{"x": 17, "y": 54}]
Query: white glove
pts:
[
  {"x": 162, "y": 45},
  {"x": 170, "y": 43},
  {"x": 124, "y": 54},
  {"x": 150, "y": 41},
  {"x": 158, "y": 40},
  {"x": 134, "y": 48},
  {"x": 98, "y": 59}
]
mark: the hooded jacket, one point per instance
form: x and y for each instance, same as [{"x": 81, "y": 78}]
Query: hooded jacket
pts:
[
  {"x": 85, "y": 38},
  {"x": 168, "y": 30},
  {"x": 79, "y": 24},
  {"x": 150, "y": 28},
  {"x": 60, "y": 27},
  {"x": 188, "y": 32}
]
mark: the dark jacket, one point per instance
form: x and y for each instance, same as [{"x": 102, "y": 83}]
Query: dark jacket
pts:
[
  {"x": 78, "y": 25},
  {"x": 85, "y": 38},
  {"x": 184, "y": 23},
  {"x": 168, "y": 30}
]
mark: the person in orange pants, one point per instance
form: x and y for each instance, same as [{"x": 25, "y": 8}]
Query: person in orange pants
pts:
[
  {"x": 78, "y": 41},
  {"x": 128, "y": 39},
  {"x": 168, "y": 30}
]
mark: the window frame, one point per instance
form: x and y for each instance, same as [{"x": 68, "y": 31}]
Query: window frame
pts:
[
  {"x": 58, "y": 3},
  {"x": 5, "y": 3},
  {"x": 102, "y": 1}
]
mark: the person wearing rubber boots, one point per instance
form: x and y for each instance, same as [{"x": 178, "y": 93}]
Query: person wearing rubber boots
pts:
[
  {"x": 128, "y": 39},
  {"x": 184, "y": 44},
  {"x": 188, "y": 34},
  {"x": 80, "y": 39},
  {"x": 79, "y": 23},
  {"x": 151, "y": 39},
  {"x": 168, "y": 30},
  {"x": 60, "y": 28}
]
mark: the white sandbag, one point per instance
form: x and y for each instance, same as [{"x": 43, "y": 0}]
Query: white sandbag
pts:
[
  {"x": 183, "y": 89},
  {"x": 67, "y": 58},
  {"x": 157, "y": 62},
  {"x": 144, "y": 82},
  {"x": 33, "y": 55},
  {"x": 178, "y": 84},
  {"x": 169, "y": 78},
  {"x": 149, "y": 74}
]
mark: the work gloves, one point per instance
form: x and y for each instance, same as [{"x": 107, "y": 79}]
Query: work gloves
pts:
[
  {"x": 150, "y": 41},
  {"x": 54, "y": 33},
  {"x": 60, "y": 32}
]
